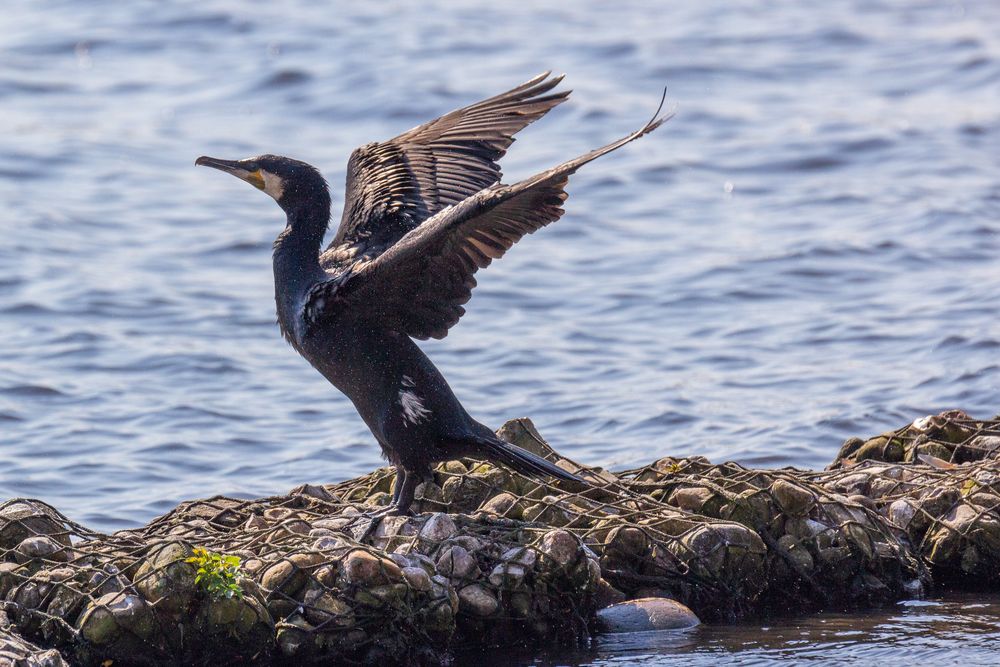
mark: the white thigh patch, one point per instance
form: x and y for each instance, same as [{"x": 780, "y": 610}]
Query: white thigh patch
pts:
[{"x": 414, "y": 411}]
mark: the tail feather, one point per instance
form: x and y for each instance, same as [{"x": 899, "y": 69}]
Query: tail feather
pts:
[{"x": 524, "y": 461}]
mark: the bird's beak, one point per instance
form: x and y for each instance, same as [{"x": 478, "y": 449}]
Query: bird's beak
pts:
[{"x": 239, "y": 168}]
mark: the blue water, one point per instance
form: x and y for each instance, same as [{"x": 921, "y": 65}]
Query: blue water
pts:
[{"x": 808, "y": 251}]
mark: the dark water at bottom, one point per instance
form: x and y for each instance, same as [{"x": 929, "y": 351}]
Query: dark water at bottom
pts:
[{"x": 954, "y": 629}]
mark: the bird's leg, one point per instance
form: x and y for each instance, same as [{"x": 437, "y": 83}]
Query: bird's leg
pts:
[
  {"x": 402, "y": 497},
  {"x": 398, "y": 485}
]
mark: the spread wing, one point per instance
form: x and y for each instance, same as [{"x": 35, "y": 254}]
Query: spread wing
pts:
[
  {"x": 394, "y": 186},
  {"x": 421, "y": 282}
]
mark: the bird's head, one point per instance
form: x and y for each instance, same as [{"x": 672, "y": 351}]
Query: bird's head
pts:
[{"x": 292, "y": 183}]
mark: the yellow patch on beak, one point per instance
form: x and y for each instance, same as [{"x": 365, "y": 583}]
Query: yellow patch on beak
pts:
[{"x": 256, "y": 179}]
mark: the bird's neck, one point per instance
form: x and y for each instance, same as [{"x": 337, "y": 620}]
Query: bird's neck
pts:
[
  {"x": 299, "y": 243},
  {"x": 296, "y": 259}
]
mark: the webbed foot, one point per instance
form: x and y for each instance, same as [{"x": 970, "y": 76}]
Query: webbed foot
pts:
[{"x": 375, "y": 518}]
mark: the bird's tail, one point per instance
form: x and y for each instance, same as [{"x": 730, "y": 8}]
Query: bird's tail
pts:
[{"x": 524, "y": 461}]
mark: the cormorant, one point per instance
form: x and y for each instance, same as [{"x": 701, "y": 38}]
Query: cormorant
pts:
[{"x": 422, "y": 213}]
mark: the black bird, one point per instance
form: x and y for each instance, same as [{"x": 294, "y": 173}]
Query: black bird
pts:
[{"x": 422, "y": 213}]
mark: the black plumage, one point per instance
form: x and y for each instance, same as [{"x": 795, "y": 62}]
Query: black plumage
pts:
[{"x": 423, "y": 212}]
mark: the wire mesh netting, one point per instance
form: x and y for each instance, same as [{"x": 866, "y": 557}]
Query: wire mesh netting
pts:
[{"x": 494, "y": 557}]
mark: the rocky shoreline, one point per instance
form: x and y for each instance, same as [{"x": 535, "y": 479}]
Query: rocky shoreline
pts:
[{"x": 492, "y": 557}]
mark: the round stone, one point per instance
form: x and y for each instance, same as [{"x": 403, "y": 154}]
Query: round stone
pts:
[{"x": 646, "y": 614}]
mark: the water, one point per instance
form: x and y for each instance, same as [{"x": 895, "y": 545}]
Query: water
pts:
[
  {"x": 956, "y": 629},
  {"x": 807, "y": 252}
]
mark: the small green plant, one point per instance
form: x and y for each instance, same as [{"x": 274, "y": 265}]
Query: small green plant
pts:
[{"x": 217, "y": 573}]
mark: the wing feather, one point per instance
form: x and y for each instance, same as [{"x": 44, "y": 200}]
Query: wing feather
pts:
[
  {"x": 421, "y": 281},
  {"x": 394, "y": 186}
]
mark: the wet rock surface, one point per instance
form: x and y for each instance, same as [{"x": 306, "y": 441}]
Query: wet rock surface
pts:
[
  {"x": 492, "y": 557},
  {"x": 646, "y": 614}
]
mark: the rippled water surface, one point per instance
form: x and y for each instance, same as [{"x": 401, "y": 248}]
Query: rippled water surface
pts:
[
  {"x": 808, "y": 251},
  {"x": 957, "y": 629}
]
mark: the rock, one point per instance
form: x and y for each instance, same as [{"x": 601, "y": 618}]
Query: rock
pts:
[
  {"x": 456, "y": 564},
  {"x": 507, "y": 575},
  {"x": 475, "y": 600},
  {"x": 97, "y": 625},
  {"x": 468, "y": 542},
  {"x": 65, "y": 602},
  {"x": 453, "y": 468},
  {"x": 336, "y": 524},
  {"x": 23, "y": 519},
  {"x": 914, "y": 588},
  {"x": 313, "y": 491},
  {"x": 11, "y": 574},
  {"x": 165, "y": 579},
  {"x": 560, "y": 547},
  {"x": 797, "y": 554},
  {"x": 854, "y": 483},
  {"x": 131, "y": 613},
  {"x": 625, "y": 546},
  {"x": 109, "y": 580},
  {"x": 522, "y": 432},
  {"x": 284, "y": 577},
  {"x": 222, "y": 611},
  {"x": 429, "y": 493},
  {"x": 864, "y": 501},
  {"x": 692, "y": 498},
  {"x": 607, "y": 595},
  {"x": 438, "y": 528},
  {"x": 723, "y": 551},
  {"x": 986, "y": 446},
  {"x": 380, "y": 499},
  {"x": 366, "y": 569},
  {"x": 503, "y": 504},
  {"x": 296, "y": 527},
  {"x": 593, "y": 568},
  {"x": 330, "y": 543},
  {"x": 440, "y": 621},
  {"x": 293, "y": 634},
  {"x": 255, "y": 523},
  {"x": 549, "y": 512},
  {"x": 277, "y": 514},
  {"x": 417, "y": 578},
  {"x": 882, "y": 448},
  {"x": 646, "y": 614},
  {"x": 522, "y": 555},
  {"x": 933, "y": 450},
  {"x": 953, "y": 542},
  {"x": 793, "y": 499},
  {"x": 40, "y": 547},
  {"x": 390, "y": 594},
  {"x": 804, "y": 529},
  {"x": 901, "y": 513},
  {"x": 324, "y": 607},
  {"x": 850, "y": 446},
  {"x": 464, "y": 494},
  {"x": 442, "y": 589},
  {"x": 106, "y": 616}
]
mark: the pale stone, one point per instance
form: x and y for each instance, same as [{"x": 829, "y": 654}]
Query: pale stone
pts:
[
  {"x": 646, "y": 614},
  {"x": 437, "y": 528}
]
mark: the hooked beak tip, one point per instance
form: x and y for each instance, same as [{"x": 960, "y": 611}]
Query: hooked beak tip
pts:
[{"x": 229, "y": 166}]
